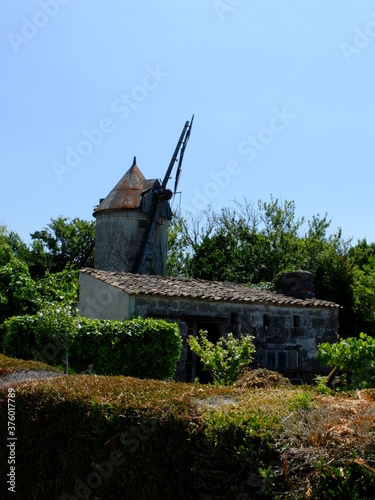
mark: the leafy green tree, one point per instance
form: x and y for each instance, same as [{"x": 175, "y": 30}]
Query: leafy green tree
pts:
[
  {"x": 18, "y": 247},
  {"x": 18, "y": 293},
  {"x": 238, "y": 249},
  {"x": 256, "y": 245},
  {"x": 225, "y": 359},
  {"x": 281, "y": 232},
  {"x": 63, "y": 242},
  {"x": 363, "y": 254},
  {"x": 177, "y": 247},
  {"x": 6, "y": 252}
]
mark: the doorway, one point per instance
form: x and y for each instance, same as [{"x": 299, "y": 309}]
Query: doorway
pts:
[{"x": 194, "y": 365}]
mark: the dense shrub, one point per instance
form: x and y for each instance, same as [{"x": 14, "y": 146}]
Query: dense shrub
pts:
[
  {"x": 10, "y": 365},
  {"x": 120, "y": 437},
  {"x": 225, "y": 359},
  {"x": 18, "y": 293},
  {"x": 150, "y": 439},
  {"x": 19, "y": 337},
  {"x": 55, "y": 329},
  {"x": 355, "y": 358},
  {"x": 143, "y": 348}
]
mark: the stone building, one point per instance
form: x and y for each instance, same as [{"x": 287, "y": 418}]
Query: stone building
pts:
[
  {"x": 287, "y": 328},
  {"x": 287, "y": 324}
]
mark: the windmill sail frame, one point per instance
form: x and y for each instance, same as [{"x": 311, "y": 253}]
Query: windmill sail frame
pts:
[{"x": 161, "y": 196}]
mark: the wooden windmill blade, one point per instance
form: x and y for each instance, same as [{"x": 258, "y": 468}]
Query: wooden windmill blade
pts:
[
  {"x": 179, "y": 168},
  {"x": 160, "y": 196}
]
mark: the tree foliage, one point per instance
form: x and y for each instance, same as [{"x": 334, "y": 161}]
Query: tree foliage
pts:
[
  {"x": 63, "y": 242},
  {"x": 255, "y": 244},
  {"x": 33, "y": 277}
]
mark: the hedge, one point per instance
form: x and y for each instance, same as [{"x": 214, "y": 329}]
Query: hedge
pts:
[
  {"x": 18, "y": 339},
  {"x": 143, "y": 348},
  {"x": 87, "y": 437},
  {"x": 112, "y": 437}
]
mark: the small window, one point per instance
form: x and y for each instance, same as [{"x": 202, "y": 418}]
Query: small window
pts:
[
  {"x": 234, "y": 318},
  {"x": 271, "y": 360},
  {"x": 292, "y": 360},
  {"x": 296, "y": 321},
  {"x": 266, "y": 320},
  {"x": 281, "y": 360}
]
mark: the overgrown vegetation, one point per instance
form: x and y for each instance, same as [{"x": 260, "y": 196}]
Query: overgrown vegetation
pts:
[
  {"x": 143, "y": 348},
  {"x": 254, "y": 243},
  {"x": 354, "y": 358},
  {"x": 225, "y": 359},
  {"x": 107, "y": 437},
  {"x": 261, "y": 378},
  {"x": 115, "y": 437}
]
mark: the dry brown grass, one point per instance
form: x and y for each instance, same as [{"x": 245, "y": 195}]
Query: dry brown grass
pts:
[
  {"x": 261, "y": 378},
  {"x": 338, "y": 428}
]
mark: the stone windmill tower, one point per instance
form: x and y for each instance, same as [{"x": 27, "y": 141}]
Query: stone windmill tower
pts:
[
  {"x": 121, "y": 222},
  {"x": 132, "y": 221}
]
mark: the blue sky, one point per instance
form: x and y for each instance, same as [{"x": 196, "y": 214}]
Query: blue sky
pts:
[{"x": 282, "y": 92}]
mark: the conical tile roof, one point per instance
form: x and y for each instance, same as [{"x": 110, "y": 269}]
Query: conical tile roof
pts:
[{"x": 127, "y": 192}]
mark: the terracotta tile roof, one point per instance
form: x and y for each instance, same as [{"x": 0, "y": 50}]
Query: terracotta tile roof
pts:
[
  {"x": 143, "y": 284},
  {"x": 127, "y": 192}
]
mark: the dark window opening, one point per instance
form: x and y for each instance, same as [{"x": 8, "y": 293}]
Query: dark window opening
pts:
[
  {"x": 271, "y": 360},
  {"x": 281, "y": 360},
  {"x": 234, "y": 318},
  {"x": 296, "y": 321},
  {"x": 194, "y": 366},
  {"x": 266, "y": 320}
]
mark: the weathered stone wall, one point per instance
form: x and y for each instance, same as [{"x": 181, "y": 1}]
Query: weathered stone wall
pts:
[
  {"x": 286, "y": 335},
  {"x": 119, "y": 236},
  {"x": 281, "y": 328}
]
